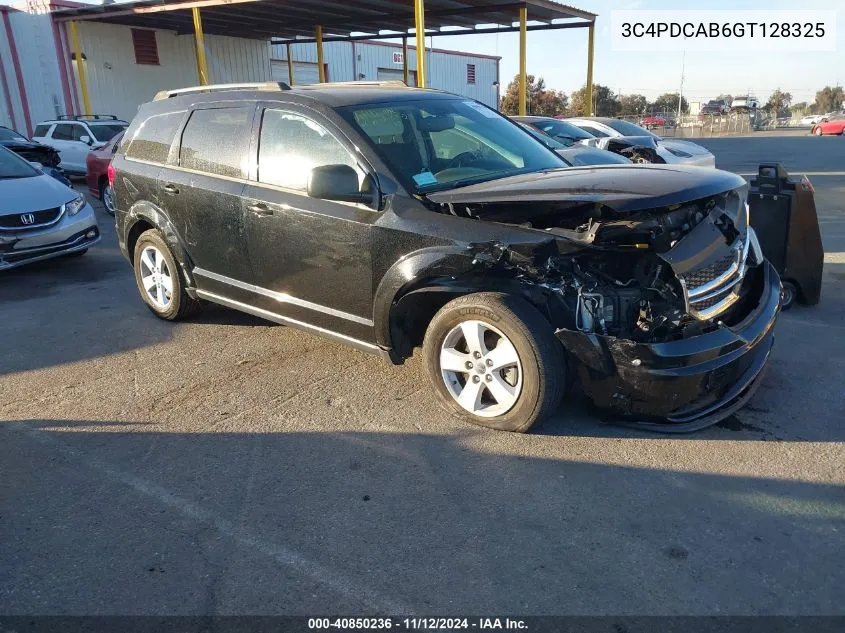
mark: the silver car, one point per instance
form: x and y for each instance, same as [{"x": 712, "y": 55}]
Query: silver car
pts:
[
  {"x": 40, "y": 217},
  {"x": 672, "y": 151}
]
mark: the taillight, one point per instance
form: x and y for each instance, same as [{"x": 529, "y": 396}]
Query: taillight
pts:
[{"x": 110, "y": 175}]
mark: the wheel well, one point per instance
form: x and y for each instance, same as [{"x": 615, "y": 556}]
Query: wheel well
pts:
[
  {"x": 100, "y": 180},
  {"x": 134, "y": 233},
  {"x": 411, "y": 315}
]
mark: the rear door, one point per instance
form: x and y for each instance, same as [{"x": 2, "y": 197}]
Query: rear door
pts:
[
  {"x": 312, "y": 258},
  {"x": 202, "y": 189},
  {"x": 67, "y": 139}
]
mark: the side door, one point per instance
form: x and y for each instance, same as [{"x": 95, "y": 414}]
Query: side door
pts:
[
  {"x": 201, "y": 187},
  {"x": 312, "y": 258},
  {"x": 62, "y": 139}
]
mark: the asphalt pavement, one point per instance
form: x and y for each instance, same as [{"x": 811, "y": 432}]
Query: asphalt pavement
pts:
[{"x": 230, "y": 466}]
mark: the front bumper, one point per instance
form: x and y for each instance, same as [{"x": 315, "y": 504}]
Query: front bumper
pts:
[
  {"x": 682, "y": 385},
  {"x": 71, "y": 234}
]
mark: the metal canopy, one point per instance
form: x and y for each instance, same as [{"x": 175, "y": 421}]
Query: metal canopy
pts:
[{"x": 288, "y": 20}]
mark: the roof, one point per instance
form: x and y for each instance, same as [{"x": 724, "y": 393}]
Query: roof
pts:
[{"x": 288, "y": 19}]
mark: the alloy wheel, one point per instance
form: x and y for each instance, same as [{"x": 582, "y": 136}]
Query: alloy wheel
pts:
[
  {"x": 481, "y": 368},
  {"x": 156, "y": 277},
  {"x": 108, "y": 199}
]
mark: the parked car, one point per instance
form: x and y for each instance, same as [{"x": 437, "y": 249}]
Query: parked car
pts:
[
  {"x": 41, "y": 156},
  {"x": 715, "y": 106},
  {"x": 386, "y": 218},
  {"x": 642, "y": 150},
  {"x": 671, "y": 151},
  {"x": 658, "y": 120},
  {"x": 833, "y": 125},
  {"x": 576, "y": 155},
  {"x": 40, "y": 218},
  {"x": 97, "y": 166},
  {"x": 73, "y": 136},
  {"x": 745, "y": 103},
  {"x": 810, "y": 119}
]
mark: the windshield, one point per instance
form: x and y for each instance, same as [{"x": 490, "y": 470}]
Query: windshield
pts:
[
  {"x": 13, "y": 166},
  {"x": 104, "y": 132},
  {"x": 545, "y": 139},
  {"x": 564, "y": 132},
  {"x": 10, "y": 135},
  {"x": 434, "y": 144},
  {"x": 626, "y": 128}
]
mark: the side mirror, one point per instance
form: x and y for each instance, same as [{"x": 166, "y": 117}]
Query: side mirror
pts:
[
  {"x": 86, "y": 139},
  {"x": 337, "y": 182}
]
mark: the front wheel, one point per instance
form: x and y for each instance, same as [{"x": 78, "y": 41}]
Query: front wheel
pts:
[
  {"x": 493, "y": 360},
  {"x": 788, "y": 293},
  {"x": 817, "y": 131}
]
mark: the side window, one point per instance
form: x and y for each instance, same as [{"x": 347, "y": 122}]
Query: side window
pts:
[
  {"x": 63, "y": 132},
  {"x": 79, "y": 131},
  {"x": 153, "y": 137},
  {"x": 595, "y": 131},
  {"x": 41, "y": 130},
  {"x": 217, "y": 141},
  {"x": 291, "y": 145}
]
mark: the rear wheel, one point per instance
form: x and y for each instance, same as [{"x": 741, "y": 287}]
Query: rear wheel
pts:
[
  {"x": 107, "y": 197},
  {"x": 788, "y": 293},
  {"x": 493, "y": 360},
  {"x": 159, "y": 279}
]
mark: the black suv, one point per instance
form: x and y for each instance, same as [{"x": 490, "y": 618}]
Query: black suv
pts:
[{"x": 387, "y": 217}]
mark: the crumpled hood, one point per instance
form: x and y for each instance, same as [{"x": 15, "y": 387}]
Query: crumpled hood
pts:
[
  {"x": 685, "y": 146},
  {"x": 22, "y": 195},
  {"x": 623, "y": 188},
  {"x": 630, "y": 141}
]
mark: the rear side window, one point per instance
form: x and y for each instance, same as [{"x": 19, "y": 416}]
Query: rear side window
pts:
[
  {"x": 67, "y": 132},
  {"x": 153, "y": 138},
  {"x": 41, "y": 130},
  {"x": 217, "y": 141}
]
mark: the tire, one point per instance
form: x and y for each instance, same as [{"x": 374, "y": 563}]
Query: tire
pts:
[
  {"x": 817, "y": 131},
  {"x": 105, "y": 196},
  {"x": 161, "y": 267},
  {"x": 788, "y": 294},
  {"x": 534, "y": 384}
]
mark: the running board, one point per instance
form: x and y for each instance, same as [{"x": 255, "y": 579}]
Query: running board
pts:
[{"x": 301, "y": 325}]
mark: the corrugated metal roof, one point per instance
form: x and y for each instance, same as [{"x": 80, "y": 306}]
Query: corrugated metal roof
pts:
[{"x": 264, "y": 19}]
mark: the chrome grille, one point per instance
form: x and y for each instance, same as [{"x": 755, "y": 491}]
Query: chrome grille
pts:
[
  {"x": 701, "y": 276},
  {"x": 712, "y": 289}
]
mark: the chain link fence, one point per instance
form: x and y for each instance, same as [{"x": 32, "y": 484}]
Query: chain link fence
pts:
[{"x": 707, "y": 125}]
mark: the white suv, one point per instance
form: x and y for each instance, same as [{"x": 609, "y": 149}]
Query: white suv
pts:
[{"x": 73, "y": 136}]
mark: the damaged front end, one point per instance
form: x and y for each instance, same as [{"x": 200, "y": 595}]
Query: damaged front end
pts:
[{"x": 666, "y": 313}]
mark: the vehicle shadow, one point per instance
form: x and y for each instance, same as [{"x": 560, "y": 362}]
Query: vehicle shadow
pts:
[{"x": 116, "y": 518}]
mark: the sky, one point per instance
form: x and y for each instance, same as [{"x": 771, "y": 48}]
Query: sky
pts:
[{"x": 560, "y": 57}]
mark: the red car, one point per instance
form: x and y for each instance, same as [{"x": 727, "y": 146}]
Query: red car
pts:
[
  {"x": 657, "y": 120},
  {"x": 833, "y": 125},
  {"x": 97, "y": 164}
]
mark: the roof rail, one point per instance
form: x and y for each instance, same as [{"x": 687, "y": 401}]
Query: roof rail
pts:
[
  {"x": 86, "y": 117},
  {"x": 387, "y": 83},
  {"x": 274, "y": 86}
]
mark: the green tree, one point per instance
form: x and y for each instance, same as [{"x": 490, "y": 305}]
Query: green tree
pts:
[
  {"x": 604, "y": 101},
  {"x": 668, "y": 102},
  {"x": 632, "y": 104},
  {"x": 540, "y": 100},
  {"x": 800, "y": 107},
  {"x": 829, "y": 99},
  {"x": 778, "y": 104}
]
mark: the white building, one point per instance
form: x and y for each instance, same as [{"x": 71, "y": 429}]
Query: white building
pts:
[{"x": 125, "y": 66}]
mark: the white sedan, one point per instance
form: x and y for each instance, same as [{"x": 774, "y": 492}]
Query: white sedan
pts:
[{"x": 673, "y": 151}]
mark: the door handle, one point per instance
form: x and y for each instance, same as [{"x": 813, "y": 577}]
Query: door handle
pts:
[
  {"x": 259, "y": 208},
  {"x": 171, "y": 189}
]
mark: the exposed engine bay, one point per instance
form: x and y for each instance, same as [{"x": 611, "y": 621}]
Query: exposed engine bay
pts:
[{"x": 650, "y": 276}]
